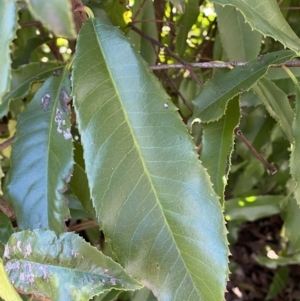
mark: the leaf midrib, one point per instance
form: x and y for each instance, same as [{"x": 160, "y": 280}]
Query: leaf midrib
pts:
[{"x": 143, "y": 161}]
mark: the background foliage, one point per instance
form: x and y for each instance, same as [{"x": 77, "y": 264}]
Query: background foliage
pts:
[{"x": 103, "y": 122}]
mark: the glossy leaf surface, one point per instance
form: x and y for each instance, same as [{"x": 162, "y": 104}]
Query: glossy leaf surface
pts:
[
  {"x": 217, "y": 142},
  {"x": 266, "y": 17},
  {"x": 42, "y": 158},
  {"x": 8, "y": 27},
  {"x": 37, "y": 261},
  {"x": 56, "y": 15},
  {"x": 7, "y": 291},
  {"x": 236, "y": 34},
  {"x": 24, "y": 77},
  {"x": 210, "y": 104},
  {"x": 153, "y": 199}
]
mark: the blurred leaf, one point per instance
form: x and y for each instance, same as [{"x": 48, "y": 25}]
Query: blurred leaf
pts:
[
  {"x": 143, "y": 294},
  {"x": 56, "y": 15},
  {"x": 210, "y": 104},
  {"x": 7, "y": 291},
  {"x": 146, "y": 182},
  {"x": 291, "y": 225},
  {"x": 8, "y": 27},
  {"x": 295, "y": 154},
  {"x": 79, "y": 182},
  {"x": 265, "y": 17},
  {"x": 253, "y": 207},
  {"x": 22, "y": 79},
  {"x": 115, "y": 11},
  {"x": 141, "y": 44},
  {"x": 31, "y": 45},
  {"x": 279, "y": 282},
  {"x": 185, "y": 23},
  {"x": 6, "y": 228},
  {"x": 277, "y": 104},
  {"x": 63, "y": 267},
  {"x": 217, "y": 147},
  {"x": 236, "y": 34},
  {"x": 76, "y": 209},
  {"x": 179, "y": 4},
  {"x": 279, "y": 73},
  {"x": 189, "y": 89},
  {"x": 107, "y": 296},
  {"x": 42, "y": 158},
  {"x": 280, "y": 261}
]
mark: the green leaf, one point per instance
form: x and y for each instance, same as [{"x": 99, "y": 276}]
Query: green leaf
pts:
[
  {"x": 141, "y": 44},
  {"x": 210, "y": 104},
  {"x": 236, "y": 34},
  {"x": 279, "y": 73},
  {"x": 153, "y": 199},
  {"x": 79, "y": 181},
  {"x": 115, "y": 11},
  {"x": 7, "y": 291},
  {"x": 42, "y": 158},
  {"x": 56, "y": 15},
  {"x": 279, "y": 282},
  {"x": 22, "y": 79},
  {"x": 63, "y": 267},
  {"x": 217, "y": 147},
  {"x": 185, "y": 23},
  {"x": 291, "y": 225},
  {"x": 253, "y": 207},
  {"x": 8, "y": 27},
  {"x": 277, "y": 104},
  {"x": 295, "y": 154},
  {"x": 265, "y": 17},
  {"x": 6, "y": 228}
]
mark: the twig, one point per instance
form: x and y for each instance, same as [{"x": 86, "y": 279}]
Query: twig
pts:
[
  {"x": 138, "y": 11},
  {"x": 176, "y": 57},
  {"x": 7, "y": 143},
  {"x": 7, "y": 209},
  {"x": 270, "y": 167},
  {"x": 30, "y": 23},
  {"x": 207, "y": 65},
  {"x": 83, "y": 226}
]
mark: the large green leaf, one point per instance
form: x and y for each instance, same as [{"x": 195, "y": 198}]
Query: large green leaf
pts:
[
  {"x": 153, "y": 199},
  {"x": 217, "y": 147},
  {"x": 210, "y": 104},
  {"x": 56, "y": 15},
  {"x": 42, "y": 158},
  {"x": 22, "y": 79},
  {"x": 185, "y": 23},
  {"x": 61, "y": 268},
  {"x": 277, "y": 104},
  {"x": 8, "y": 27},
  {"x": 7, "y": 291},
  {"x": 236, "y": 34},
  {"x": 265, "y": 17}
]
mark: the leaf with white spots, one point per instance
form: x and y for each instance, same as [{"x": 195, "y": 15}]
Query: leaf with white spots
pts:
[
  {"x": 37, "y": 261},
  {"x": 42, "y": 158}
]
